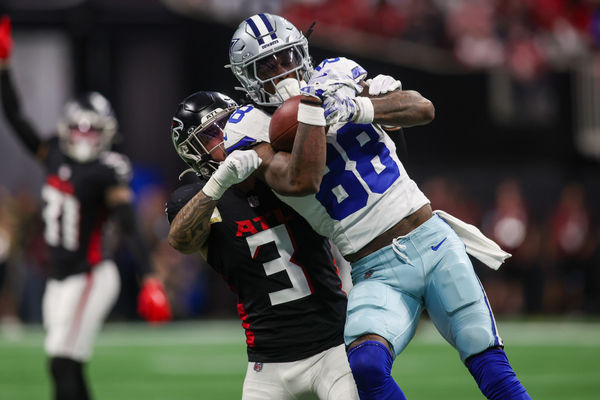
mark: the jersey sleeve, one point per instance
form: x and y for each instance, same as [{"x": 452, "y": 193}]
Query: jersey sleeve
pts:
[
  {"x": 342, "y": 66},
  {"x": 119, "y": 167},
  {"x": 247, "y": 126},
  {"x": 180, "y": 197}
]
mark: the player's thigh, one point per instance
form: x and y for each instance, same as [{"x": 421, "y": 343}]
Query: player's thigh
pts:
[
  {"x": 74, "y": 309},
  {"x": 60, "y": 303},
  {"x": 50, "y": 299},
  {"x": 374, "y": 307},
  {"x": 333, "y": 377},
  {"x": 102, "y": 296},
  {"x": 458, "y": 306},
  {"x": 263, "y": 382}
]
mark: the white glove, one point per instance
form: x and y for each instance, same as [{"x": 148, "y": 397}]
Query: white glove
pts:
[
  {"x": 238, "y": 166},
  {"x": 339, "y": 108},
  {"x": 382, "y": 84}
]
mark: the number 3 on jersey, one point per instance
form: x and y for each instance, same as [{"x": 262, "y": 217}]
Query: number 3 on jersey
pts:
[
  {"x": 279, "y": 235},
  {"x": 61, "y": 218},
  {"x": 341, "y": 192}
]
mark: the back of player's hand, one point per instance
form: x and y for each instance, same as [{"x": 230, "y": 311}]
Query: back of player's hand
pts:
[
  {"x": 153, "y": 304},
  {"x": 6, "y": 42},
  {"x": 339, "y": 108},
  {"x": 238, "y": 166}
]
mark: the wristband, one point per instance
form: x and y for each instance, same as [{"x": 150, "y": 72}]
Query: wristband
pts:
[
  {"x": 213, "y": 189},
  {"x": 311, "y": 115},
  {"x": 366, "y": 113}
]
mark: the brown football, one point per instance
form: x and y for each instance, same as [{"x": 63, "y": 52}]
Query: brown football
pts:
[{"x": 284, "y": 123}]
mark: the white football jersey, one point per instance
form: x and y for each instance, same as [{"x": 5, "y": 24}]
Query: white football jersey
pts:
[
  {"x": 246, "y": 126},
  {"x": 365, "y": 190}
]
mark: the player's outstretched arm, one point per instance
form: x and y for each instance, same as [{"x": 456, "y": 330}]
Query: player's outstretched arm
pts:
[
  {"x": 153, "y": 304},
  {"x": 119, "y": 199},
  {"x": 402, "y": 108},
  {"x": 191, "y": 227},
  {"x": 381, "y": 101},
  {"x": 10, "y": 100}
]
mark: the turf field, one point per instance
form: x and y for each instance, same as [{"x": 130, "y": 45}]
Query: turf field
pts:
[{"x": 206, "y": 360}]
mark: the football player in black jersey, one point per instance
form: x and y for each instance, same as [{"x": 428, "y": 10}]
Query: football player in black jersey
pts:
[
  {"x": 290, "y": 298},
  {"x": 85, "y": 184}
]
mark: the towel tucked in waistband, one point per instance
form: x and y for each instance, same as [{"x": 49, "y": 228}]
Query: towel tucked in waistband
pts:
[{"x": 477, "y": 244}]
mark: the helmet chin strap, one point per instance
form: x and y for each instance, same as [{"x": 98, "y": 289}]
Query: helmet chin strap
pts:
[
  {"x": 286, "y": 88},
  {"x": 185, "y": 172}
]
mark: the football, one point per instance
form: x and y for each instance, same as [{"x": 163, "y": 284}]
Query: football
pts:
[{"x": 284, "y": 122}]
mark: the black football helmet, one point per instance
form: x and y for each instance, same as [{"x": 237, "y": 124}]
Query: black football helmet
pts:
[
  {"x": 197, "y": 129},
  {"x": 87, "y": 127}
]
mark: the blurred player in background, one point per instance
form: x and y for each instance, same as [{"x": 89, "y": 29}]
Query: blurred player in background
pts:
[
  {"x": 85, "y": 184},
  {"x": 291, "y": 302},
  {"x": 404, "y": 258}
]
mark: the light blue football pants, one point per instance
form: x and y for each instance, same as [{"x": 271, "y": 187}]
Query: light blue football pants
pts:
[{"x": 426, "y": 269}]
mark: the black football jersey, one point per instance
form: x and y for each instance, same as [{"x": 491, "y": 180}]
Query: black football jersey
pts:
[
  {"x": 75, "y": 211},
  {"x": 290, "y": 299}
]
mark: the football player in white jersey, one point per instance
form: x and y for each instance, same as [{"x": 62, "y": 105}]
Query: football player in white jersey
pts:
[{"x": 347, "y": 181}]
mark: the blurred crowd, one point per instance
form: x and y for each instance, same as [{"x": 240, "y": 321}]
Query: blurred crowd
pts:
[
  {"x": 526, "y": 36},
  {"x": 521, "y": 45},
  {"x": 555, "y": 268},
  {"x": 555, "y": 264}
]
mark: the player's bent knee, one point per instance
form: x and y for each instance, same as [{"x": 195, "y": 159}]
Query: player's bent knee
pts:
[
  {"x": 365, "y": 362},
  {"x": 473, "y": 340},
  {"x": 371, "y": 365}
]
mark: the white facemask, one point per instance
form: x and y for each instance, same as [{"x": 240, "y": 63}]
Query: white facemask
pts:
[{"x": 84, "y": 150}]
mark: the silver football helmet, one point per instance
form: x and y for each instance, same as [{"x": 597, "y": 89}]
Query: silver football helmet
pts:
[
  {"x": 259, "y": 48},
  {"x": 87, "y": 127}
]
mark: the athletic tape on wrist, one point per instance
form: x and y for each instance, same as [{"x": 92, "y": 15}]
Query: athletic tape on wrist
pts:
[
  {"x": 311, "y": 115},
  {"x": 366, "y": 113},
  {"x": 213, "y": 189}
]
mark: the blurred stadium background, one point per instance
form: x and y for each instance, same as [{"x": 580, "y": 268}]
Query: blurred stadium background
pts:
[{"x": 514, "y": 149}]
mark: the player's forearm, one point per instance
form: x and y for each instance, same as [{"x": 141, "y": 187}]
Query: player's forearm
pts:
[
  {"x": 403, "y": 108},
  {"x": 12, "y": 111},
  {"x": 307, "y": 161},
  {"x": 300, "y": 172},
  {"x": 191, "y": 227},
  {"x": 125, "y": 216}
]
